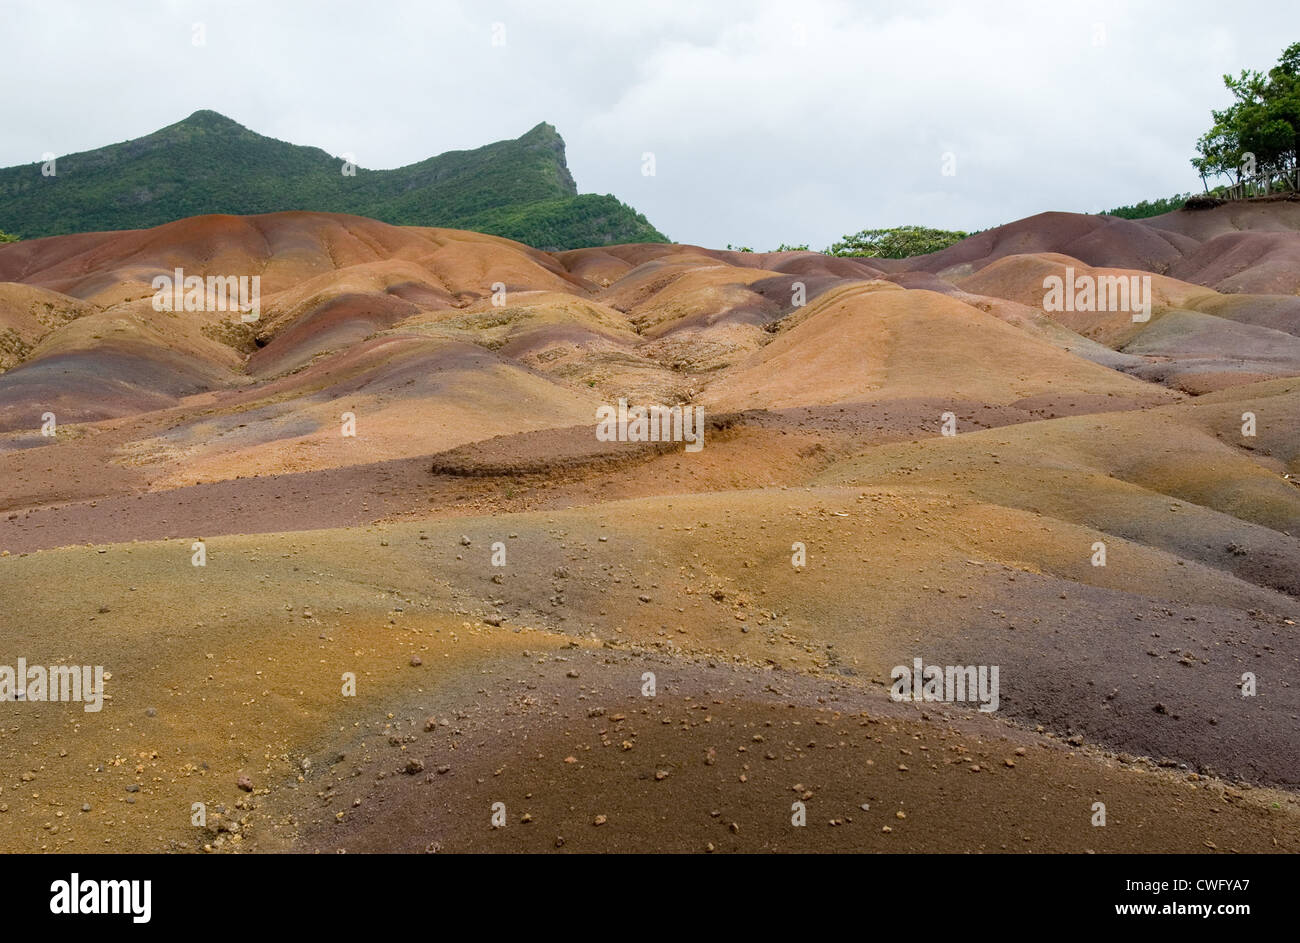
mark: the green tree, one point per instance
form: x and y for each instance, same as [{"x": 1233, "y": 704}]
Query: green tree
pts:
[
  {"x": 899, "y": 242},
  {"x": 5, "y": 237},
  {"x": 1147, "y": 208},
  {"x": 1259, "y": 133}
]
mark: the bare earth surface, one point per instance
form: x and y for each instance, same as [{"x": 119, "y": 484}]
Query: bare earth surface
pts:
[{"x": 473, "y": 626}]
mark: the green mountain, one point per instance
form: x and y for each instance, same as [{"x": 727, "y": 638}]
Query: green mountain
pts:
[{"x": 521, "y": 189}]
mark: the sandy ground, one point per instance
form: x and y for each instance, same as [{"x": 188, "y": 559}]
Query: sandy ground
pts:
[{"x": 461, "y": 604}]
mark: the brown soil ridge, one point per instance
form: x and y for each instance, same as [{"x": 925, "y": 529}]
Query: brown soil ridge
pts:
[{"x": 548, "y": 451}]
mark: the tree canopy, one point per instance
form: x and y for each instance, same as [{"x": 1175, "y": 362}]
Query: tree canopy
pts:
[
  {"x": 900, "y": 242},
  {"x": 1259, "y": 132}
]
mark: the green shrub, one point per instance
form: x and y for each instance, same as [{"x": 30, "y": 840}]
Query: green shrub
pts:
[{"x": 900, "y": 242}]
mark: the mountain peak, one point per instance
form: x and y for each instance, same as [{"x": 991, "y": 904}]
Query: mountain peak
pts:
[
  {"x": 542, "y": 131},
  {"x": 209, "y": 120},
  {"x": 208, "y": 163}
]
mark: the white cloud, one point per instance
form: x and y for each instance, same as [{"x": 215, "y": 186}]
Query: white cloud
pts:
[{"x": 782, "y": 121}]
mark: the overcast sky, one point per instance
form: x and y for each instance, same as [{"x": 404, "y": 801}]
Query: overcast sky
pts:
[{"x": 786, "y": 121}]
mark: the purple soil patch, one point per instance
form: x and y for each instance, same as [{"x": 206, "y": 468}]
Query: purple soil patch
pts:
[
  {"x": 780, "y": 292},
  {"x": 340, "y": 322},
  {"x": 1279, "y": 312},
  {"x": 409, "y": 364},
  {"x": 925, "y": 281},
  {"x": 814, "y": 265},
  {"x": 87, "y": 386},
  {"x": 1095, "y": 240},
  {"x": 538, "y": 339},
  {"x": 426, "y": 296},
  {"x": 245, "y": 429},
  {"x": 1258, "y": 263},
  {"x": 21, "y": 442},
  {"x": 342, "y": 497},
  {"x": 575, "y": 759},
  {"x": 549, "y": 451},
  {"x": 1183, "y": 335},
  {"x": 896, "y": 420},
  {"x": 1137, "y": 675}
]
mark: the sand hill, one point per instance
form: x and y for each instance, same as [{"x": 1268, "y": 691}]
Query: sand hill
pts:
[{"x": 393, "y": 475}]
